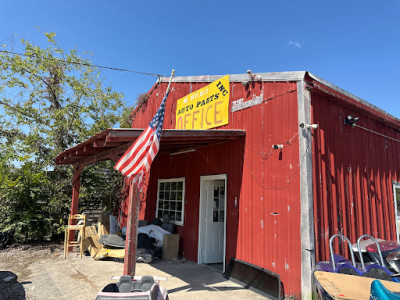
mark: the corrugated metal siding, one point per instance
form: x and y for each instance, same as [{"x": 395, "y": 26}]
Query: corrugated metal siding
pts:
[
  {"x": 353, "y": 174},
  {"x": 264, "y": 228},
  {"x": 218, "y": 159}
]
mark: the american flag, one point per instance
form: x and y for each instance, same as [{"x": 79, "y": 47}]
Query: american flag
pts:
[{"x": 137, "y": 159}]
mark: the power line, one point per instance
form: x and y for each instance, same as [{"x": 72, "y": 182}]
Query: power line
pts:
[
  {"x": 377, "y": 133},
  {"x": 83, "y": 64},
  {"x": 351, "y": 121}
]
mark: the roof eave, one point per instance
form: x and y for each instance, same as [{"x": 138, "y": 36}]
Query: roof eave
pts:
[{"x": 272, "y": 76}]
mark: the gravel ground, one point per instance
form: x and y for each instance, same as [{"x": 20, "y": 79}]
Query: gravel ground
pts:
[
  {"x": 19, "y": 258},
  {"x": 45, "y": 274}
]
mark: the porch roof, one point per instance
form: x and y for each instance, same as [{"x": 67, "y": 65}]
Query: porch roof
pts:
[{"x": 112, "y": 143}]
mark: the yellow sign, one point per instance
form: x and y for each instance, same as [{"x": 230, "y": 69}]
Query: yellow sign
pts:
[{"x": 205, "y": 108}]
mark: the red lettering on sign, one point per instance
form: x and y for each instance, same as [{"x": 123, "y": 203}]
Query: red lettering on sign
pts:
[
  {"x": 179, "y": 123},
  {"x": 216, "y": 113},
  {"x": 194, "y": 119},
  {"x": 206, "y": 118},
  {"x": 186, "y": 121}
]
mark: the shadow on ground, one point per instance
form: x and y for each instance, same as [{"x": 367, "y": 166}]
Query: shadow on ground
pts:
[{"x": 196, "y": 277}]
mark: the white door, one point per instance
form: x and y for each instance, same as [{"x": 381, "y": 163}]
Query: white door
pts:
[{"x": 214, "y": 222}]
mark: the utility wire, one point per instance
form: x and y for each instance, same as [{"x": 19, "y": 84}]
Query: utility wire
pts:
[
  {"x": 377, "y": 133},
  {"x": 83, "y": 64}
]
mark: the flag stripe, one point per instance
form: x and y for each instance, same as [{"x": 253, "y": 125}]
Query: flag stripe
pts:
[
  {"x": 135, "y": 156},
  {"x": 140, "y": 155},
  {"x": 138, "y": 180},
  {"x": 131, "y": 151},
  {"x": 134, "y": 147},
  {"x": 134, "y": 169},
  {"x": 137, "y": 161},
  {"x": 125, "y": 160}
]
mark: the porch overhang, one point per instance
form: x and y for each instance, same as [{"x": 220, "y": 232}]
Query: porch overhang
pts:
[{"x": 110, "y": 144}]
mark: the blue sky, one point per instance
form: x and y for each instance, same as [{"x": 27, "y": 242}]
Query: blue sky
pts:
[{"x": 352, "y": 44}]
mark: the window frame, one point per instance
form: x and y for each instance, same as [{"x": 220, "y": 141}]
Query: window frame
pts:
[{"x": 177, "y": 179}]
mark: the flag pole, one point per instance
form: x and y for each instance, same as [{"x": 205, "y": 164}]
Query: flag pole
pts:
[
  {"x": 170, "y": 80},
  {"x": 131, "y": 230},
  {"x": 133, "y": 218}
]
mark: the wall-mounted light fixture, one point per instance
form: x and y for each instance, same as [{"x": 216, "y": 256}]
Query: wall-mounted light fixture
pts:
[
  {"x": 312, "y": 126},
  {"x": 277, "y": 146},
  {"x": 351, "y": 121},
  {"x": 308, "y": 126},
  {"x": 252, "y": 77}
]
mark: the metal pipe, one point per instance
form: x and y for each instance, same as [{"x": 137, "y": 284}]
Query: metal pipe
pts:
[
  {"x": 331, "y": 250},
  {"x": 377, "y": 245}
]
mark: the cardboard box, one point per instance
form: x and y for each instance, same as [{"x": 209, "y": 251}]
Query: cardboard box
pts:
[{"x": 170, "y": 246}]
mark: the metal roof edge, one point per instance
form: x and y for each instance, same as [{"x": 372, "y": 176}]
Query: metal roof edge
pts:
[
  {"x": 358, "y": 99},
  {"x": 272, "y": 76},
  {"x": 279, "y": 76}
]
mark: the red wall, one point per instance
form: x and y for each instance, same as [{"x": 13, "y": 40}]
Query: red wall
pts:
[
  {"x": 353, "y": 173},
  {"x": 265, "y": 227}
]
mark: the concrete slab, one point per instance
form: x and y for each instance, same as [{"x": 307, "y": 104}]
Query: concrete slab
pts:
[{"x": 76, "y": 278}]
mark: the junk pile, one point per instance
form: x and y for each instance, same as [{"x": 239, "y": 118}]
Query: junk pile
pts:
[
  {"x": 375, "y": 275},
  {"x": 154, "y": 241}
]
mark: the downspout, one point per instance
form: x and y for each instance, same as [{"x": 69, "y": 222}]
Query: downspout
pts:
[{"x": 306, "y": 191}]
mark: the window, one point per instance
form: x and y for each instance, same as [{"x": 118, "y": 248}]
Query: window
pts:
[
  {"x": 218, "y": 204},
  {"x": 171, "y": 199}
]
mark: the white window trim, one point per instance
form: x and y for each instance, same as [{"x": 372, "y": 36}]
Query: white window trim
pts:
[
  {"x": 396, "y": 185},
  {"x": 183, "y": 197}
]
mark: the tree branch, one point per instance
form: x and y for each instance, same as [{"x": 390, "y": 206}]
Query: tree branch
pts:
[
  {"x": 19, "y": 111},
  {"x": 57, "y": 103}
]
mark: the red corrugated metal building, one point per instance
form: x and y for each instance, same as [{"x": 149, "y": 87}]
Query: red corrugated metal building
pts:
[
  {"x": 349, "y": 174},
  {"x": 278, "y": 192}
]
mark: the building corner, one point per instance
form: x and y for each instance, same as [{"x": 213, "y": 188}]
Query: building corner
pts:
[{"x": 306, "y": 191}]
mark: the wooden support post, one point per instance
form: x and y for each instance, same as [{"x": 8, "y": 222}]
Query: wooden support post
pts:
[
  {"x": 131, "y": 230},
  {"x": 76, "y": 184}
]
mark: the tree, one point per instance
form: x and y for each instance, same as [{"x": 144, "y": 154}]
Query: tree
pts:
[{"x": 50, "y": 100}]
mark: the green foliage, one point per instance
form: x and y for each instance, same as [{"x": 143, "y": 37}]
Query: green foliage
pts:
[
  {"x": 101, "y": 185},
  {"x": 50, "y": 100},
  {"x": 30, "y": 204}
]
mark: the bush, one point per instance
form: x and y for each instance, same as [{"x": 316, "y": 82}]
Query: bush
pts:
[{"x": 29, "y": 212}]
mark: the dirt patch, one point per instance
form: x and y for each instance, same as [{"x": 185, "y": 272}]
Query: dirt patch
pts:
[
  {"x": 17, "y": 258},
  {"x": 82, "y": 277}
]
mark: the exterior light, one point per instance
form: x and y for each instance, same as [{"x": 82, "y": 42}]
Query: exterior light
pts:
[
  {"x": 312, "y": 126},
  {"x": 351, "y": 121}
]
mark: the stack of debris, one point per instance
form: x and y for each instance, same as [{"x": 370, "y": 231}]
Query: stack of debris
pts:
[{"x": 108, "y": 240}]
